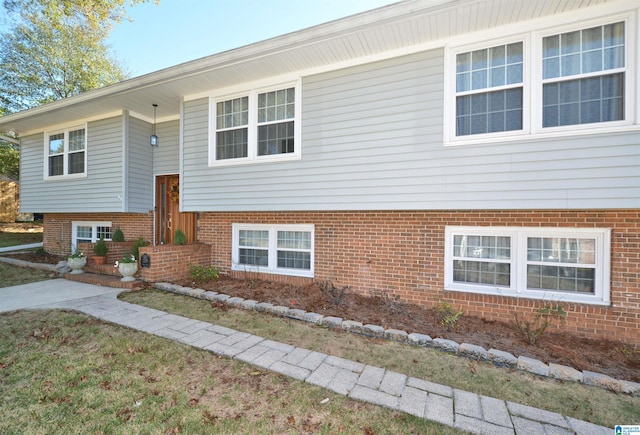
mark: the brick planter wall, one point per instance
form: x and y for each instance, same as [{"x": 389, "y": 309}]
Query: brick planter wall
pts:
[
  {"x": 402, "y": 253},
  {"x": 171, "y": 262},
  {"x": 116, "y": 251}
]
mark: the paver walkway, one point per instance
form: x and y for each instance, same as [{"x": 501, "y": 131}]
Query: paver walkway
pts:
[{"x": 459, "y": 409}]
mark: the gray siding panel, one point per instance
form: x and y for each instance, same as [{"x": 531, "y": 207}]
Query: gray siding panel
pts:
[
  {"x": 372, "y": 139},
  {"x": 100, "y": 191},
  {"x": 166, "y": 157},
  {"x": 139, "y": 167}
]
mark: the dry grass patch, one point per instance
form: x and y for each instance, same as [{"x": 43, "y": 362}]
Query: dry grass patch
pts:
[
  {"x": 63, "y": 372},
  {"x": 14, "y": 275}
]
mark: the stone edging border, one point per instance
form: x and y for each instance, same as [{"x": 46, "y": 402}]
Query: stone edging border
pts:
[{"x": 497, "y": 357}]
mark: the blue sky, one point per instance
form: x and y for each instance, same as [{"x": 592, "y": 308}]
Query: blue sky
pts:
[{"x": 177, "y": 31}]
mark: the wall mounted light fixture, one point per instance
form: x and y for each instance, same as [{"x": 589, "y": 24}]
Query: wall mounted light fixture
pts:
[{"x": 154, "y": 138}]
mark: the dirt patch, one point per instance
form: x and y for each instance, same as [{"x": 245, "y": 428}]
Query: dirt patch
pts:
[
  {"x": 602, "y": 356},
  {"x": 36, "y": 257}
]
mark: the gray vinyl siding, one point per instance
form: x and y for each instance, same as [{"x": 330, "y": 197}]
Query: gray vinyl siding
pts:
[
  {"x": 372, "y": 139},
  {"x": 101, "y": 190},
  {"x": 139, "y": 167},
  {"x": 166, "y": 156}
]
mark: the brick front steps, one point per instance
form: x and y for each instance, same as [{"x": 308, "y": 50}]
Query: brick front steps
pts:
[
  {"x": 104, "y": 280},
  {"x": 105, "y": 275}
]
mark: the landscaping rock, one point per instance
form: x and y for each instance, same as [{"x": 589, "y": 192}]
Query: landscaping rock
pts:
[
  {"x": 533, "y": 366},
  {"x": 313, "y": 318},
  {"x": 446, "y": 345},
  {"x": 279, "y": 310},
  {"x": 296, "y": 314},
  {"x": 374, "y": 330},
  {"x": 248, "y": 304},
  {"x": 352, "y": 326},
  {"x": 502, "y": 358},
  {"x": 600, "y": 380},
  {"x": 629, "y": 387},
  {"x": 208, "y": 295},
  {"x": 332, "y": 322},
  {"x": 397, "y": 335},
  {"x": 263, "y": 306},
  {"x": 419, "y": 339},
  {"x": 235, "y": 302},
  {"x": 565, "y": 373},
  {"x": 473, "y": 351}
]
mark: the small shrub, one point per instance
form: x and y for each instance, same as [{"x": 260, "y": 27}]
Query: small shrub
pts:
[
  {"x": 384, "y": 298},
  {"x": 118, "y": 235},
  {"x": 202, "y": 274},
  {"x": 447, "y": 315},
  {"x": 41, "y": 252},
  {"x": 139, "y": 243},
  {"x": 179, "y": 238},
  {"x": 100, "y": 248},
  {"x": 533, "y": 326},
  {"x": 335, "y": 294}
]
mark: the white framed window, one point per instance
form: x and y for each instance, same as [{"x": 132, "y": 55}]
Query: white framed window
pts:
[
  {"x": 570, "y": 79},
  {"x": 255, "y": 126},
  {"x": 280, "y": 249},
  {"x": 558, "y": 264},
  {"x": 489, "y": 90},
  {"x": 66, "y": 153},
  {"x": 89, "y": 232}
]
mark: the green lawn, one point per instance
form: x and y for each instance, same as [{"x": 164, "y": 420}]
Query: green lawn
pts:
[{"x": 10, "y": 237}]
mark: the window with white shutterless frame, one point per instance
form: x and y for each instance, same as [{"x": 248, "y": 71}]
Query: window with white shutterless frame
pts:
[
  {"x": 559, "y": 264},
  {"x": 65, "y": 152},
  {"x": 256, "y": 125},
  {"x": 279, "y": 249},
  {"x": 564, "y": 80}
]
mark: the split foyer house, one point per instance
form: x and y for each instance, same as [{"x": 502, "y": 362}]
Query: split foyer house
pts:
[{"x": 482, "y": 152}]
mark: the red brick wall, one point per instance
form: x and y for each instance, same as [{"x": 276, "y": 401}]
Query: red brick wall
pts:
[
  {"x": 57, "y": 227},
  {"x": 171, "y": 262},
  {"x": 117, "y": 250},
  {"x": 402, "y": 253}
]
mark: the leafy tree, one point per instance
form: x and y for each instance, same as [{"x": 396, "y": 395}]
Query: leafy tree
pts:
[
  {"x": 56, "y": 49},
  {"x": 9, "y": 160}
]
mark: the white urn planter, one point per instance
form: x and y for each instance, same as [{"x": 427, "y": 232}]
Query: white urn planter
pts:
[
  {"x": 127, "y": 270},
  {"x": 76, "y": 265}
]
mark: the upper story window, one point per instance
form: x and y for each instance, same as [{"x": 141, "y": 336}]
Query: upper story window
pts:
[
  {"x": 489, "y": 90},
  {"x": 66, "y": 152},
  {"x": 570, "y": 80},
  {"x": 584, "y": 76},
  {"x": 259, "y": 125}
]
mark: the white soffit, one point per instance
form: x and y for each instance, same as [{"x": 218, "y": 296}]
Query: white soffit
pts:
[{"x": 362, "y": 37}]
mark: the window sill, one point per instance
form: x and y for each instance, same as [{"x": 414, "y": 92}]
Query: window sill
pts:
[
  {"x": 550, "y": 133},
  {"x": 283, "y": 272},
  {"x": 256, "y": 160},
  {"x": 65, "y": 177},
  {"x": 546, "y": 296}
]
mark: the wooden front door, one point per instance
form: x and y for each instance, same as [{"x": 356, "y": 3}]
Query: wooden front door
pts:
[{"x": 168, "y": 215}]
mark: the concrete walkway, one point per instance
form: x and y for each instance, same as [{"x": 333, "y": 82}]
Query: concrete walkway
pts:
[{"x": 455, "y": 408}]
